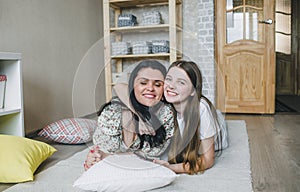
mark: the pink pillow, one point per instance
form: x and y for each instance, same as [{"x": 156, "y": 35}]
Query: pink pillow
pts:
[{"x": 70, "y": 131}]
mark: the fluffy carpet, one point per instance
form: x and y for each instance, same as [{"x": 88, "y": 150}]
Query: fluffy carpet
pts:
[{"x": 230, "y": 173}]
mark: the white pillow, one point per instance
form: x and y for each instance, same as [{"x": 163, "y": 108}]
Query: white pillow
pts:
[{"x": 125, "y": 172}]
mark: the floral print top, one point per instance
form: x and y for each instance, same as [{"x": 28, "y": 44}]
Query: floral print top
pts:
[{"x": 109, "y": 135}]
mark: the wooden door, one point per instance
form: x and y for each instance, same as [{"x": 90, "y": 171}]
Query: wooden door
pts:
[{"x": 245, "y": 56}]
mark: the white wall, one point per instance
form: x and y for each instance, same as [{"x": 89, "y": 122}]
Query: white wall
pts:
[
  {"x": 62, "y": 46},
  {"x": 198, "y": 41},
  {"x": 57, "y": 39}
]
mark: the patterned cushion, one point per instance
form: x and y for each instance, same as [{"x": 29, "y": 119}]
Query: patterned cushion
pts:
[{"x": 70, "y": 131}]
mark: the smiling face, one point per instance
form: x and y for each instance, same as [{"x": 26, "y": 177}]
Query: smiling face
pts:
[
  {"x": 178, "y": 86},
  {"x": 148, "y": 86}
]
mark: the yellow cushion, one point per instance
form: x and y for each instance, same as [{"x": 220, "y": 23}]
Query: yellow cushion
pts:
[{"x": 20, "y": 157}]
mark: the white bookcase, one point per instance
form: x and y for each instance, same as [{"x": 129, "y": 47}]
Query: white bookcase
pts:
[{"x": 12, "y": 115}]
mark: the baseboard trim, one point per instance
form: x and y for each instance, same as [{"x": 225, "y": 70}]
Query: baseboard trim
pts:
[{"x": 34, "y": 134}]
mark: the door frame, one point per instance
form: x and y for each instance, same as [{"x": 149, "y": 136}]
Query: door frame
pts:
[{"x": 296, "y": 43}]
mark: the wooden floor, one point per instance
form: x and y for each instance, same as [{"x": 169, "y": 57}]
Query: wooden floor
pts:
[
  {"x": 274, "y": 148},
  {"x": 275, "y": 151}
]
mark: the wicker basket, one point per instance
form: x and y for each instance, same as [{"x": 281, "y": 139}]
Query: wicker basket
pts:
[
  {"x": 125, "y": 20},
  {"x": 141, "y": 47},
  {"x": 151, "y": 18},
  {"x": 160, "y": 46},
  {"x": 120, "y": 48}
]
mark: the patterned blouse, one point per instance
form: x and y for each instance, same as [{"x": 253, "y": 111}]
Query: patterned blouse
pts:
[{"x": 109, "y": 135}]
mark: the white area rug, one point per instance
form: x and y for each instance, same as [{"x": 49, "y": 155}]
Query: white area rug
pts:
[{"x": 230, "y": 173}]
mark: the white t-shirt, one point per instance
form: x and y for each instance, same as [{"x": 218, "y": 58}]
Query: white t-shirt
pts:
[
  {"x": 207, "y": 123},
  {"x": 208, "y": 126}
]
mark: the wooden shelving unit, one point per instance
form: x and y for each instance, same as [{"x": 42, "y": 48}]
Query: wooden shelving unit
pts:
[{"x": 173, "y": 28}]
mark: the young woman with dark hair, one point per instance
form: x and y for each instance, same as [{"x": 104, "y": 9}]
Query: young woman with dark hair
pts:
[{"x": 137, "y": 120}]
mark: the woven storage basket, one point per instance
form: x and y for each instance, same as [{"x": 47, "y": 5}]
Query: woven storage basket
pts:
[
  {"x": 141, "y": 47},
  {"x": 160, "y": 46},
  {"x": 120, "y": 48},
  {"x": 151, "y": 18},
  {"x": 125, "y": 20}
]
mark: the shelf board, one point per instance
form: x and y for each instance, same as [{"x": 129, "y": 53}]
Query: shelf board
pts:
[
  {"x": 141, "y": 55},
  {"x": 160, "y": 27},
  {"x": 9, "y": 56},
  {"x": 143, "y": 29},
  {"x": 6, "y": 111},
  {"x": 139, "y": 3}
]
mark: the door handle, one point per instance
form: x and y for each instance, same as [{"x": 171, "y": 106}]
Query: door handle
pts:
[{"x": 268, "y": 21}]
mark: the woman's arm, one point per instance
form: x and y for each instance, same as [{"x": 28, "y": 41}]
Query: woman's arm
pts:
[
  {"x": 108, "y": 133},
  {"x": 107, "y": 136},
  {"x": 206, "y": 159},
  {"x": 177, "y": 168},
  {"x": 207, "y": 151}
]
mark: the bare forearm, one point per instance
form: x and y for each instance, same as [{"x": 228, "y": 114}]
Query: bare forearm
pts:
[
  {"x": 177, "y": 168},
  {"x": 206, "y": 162},
  {"x": 207, "y": 158}
]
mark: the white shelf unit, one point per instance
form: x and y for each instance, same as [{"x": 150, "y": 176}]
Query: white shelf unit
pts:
[{"x": 12, "y": 115}]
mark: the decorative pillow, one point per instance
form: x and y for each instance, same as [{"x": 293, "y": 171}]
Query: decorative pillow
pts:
[
  {"x": 124, "y": 173},
  {"x": 20, "y": 157},
  {"x": 70, "y": 131}
]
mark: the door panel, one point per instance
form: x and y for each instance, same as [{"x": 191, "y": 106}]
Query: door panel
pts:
[
  {"x": 244, "y": 82},
  {"x": 245, "y": 56},
  {"x": 286, "y": 34},
  {"x": 285, "y": 75}
]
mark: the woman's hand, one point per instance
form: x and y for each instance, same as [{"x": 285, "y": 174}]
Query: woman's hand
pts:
[{"x": 94, "y": 156}]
